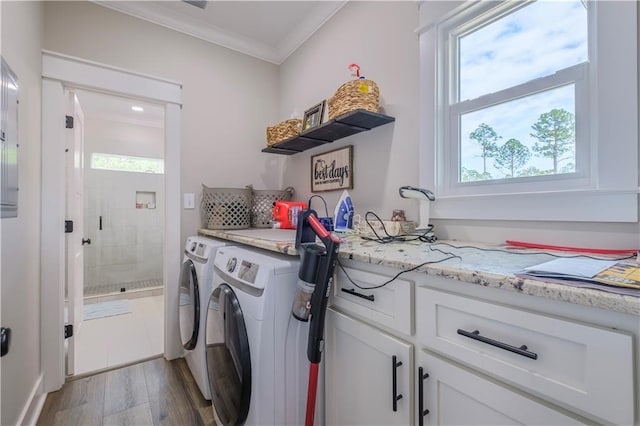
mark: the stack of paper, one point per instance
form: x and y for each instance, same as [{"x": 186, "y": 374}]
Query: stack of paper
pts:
[{"x": 610, "y": 275}]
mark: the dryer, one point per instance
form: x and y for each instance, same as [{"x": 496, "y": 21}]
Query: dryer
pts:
[
  {"x": 194, "y": 291},
  {"x": 256, "y": 351}
]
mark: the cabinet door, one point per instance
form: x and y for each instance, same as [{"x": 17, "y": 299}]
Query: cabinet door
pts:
[
  {"x": 360, "y": 374},
  {"x": 454, "y": 395}
]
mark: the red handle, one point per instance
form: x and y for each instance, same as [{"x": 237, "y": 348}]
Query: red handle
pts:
[{"x": 321, "y": 230}]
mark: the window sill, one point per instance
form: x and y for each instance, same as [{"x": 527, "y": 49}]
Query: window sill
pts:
[{"x": 565, "y": 206}]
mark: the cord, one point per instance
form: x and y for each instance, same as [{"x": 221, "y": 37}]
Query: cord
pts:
[
  {"x": 424, "y": 237},
  {"x": 326, "y": 210},
  {"x": 530, "y": 253},
  {"x": 453, "y": 256}
]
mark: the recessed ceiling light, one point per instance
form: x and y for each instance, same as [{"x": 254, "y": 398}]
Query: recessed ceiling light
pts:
[{"x": 137, "y": 108}]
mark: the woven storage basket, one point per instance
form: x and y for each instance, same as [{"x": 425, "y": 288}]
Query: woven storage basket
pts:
[
  {"x": 354, "y": 94},
  {"x": 226, "y": 208},
  {"x": 262, "y": 206},
  {"x": 283, "y": 130}
]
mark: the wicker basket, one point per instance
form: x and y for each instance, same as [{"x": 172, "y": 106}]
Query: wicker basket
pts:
[
  {"x": 283, "y": 130},
  {"x": 226, "y": 208},
  {"x": 354, "y": 94},
  {"x": 262, "y": 206}
]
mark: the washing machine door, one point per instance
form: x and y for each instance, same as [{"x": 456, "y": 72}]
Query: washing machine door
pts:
[
  {"x": 189, "y": 305},
  {"x": 228, "y": 357}
]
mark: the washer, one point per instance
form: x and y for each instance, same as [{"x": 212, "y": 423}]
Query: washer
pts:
[
  {"x": 256, "y": 350},
  {"x": 194, "y": 291}
]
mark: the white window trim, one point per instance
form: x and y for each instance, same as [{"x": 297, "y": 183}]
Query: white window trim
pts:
[
  {"x": 610, "y": 194},
  {"x": 96, "y": 155}
]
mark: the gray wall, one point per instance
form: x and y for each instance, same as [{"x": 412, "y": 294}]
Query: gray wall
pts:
[
  {"x": 381, "y": 38},
  {"x": 229, "y": 98},
  {"x": 20, "y": 294}
]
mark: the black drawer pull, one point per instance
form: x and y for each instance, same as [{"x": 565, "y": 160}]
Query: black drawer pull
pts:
[
  {"x": 421, "y": 411},
  {"x": 522, "y": 350},
  {"x": 396, "y": 397},
  {"x": 353, "y": 291}
]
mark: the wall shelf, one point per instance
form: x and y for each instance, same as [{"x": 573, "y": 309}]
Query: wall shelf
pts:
[{"x": 348, "y": 124}]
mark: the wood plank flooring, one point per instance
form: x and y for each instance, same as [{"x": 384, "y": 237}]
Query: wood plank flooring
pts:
[{"x": 155, "y": 392}]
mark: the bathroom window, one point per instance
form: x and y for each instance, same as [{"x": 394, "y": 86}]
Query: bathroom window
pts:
[
  {"x": 514, "y": 104},
  {"x": 126, "y": 163}
]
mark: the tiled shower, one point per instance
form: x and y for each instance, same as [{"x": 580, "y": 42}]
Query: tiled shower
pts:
[{"x": 124, "y": 220}]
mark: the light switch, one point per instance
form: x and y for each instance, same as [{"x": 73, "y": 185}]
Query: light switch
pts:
[{"x": 189, "y": 200}]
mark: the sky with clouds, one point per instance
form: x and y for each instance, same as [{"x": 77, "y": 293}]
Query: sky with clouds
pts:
[{"x": 532, "y": 42}]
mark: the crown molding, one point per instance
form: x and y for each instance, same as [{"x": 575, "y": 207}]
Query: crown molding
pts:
[{"x": 203, "y": 30}]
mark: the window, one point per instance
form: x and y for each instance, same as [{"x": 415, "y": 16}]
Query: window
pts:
[
  {"x": 514, "y": 107},
  {"x": 126, "y": 163}
]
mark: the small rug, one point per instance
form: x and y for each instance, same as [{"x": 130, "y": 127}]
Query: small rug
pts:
[{"x": 106, "y": 309}]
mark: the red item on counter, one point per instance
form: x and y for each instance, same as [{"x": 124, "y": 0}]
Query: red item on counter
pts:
[
  {"x": 576, "y": 249},
  {"x": 285, "y": 213}
]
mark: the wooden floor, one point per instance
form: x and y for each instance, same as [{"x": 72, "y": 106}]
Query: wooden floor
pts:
[{"x": 156, "y": 392}]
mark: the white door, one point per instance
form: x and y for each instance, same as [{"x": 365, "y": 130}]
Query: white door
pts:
[
  {"x": 74, "y": 212},
  {"x": 368, "y": 374},
  {"x": 453, "y": 395}
]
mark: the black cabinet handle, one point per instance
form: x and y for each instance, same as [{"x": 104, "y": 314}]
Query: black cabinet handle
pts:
[
  {"x": 353, "y": 291},
  {"x": 5, "y": 340},
  {"x": 421, "y": 411},
  {"x": 396, "y": 397},
  {"x": 522, "y": 350},
  {"x": 100, "y": 223},
  {"x": 87, "y": 241}
]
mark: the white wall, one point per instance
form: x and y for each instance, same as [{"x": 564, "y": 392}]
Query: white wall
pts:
[
  {"x": 128, "y": 248},
  {"x": 229, "y": 98},
  {"x": 20, "y": 294},
  {"x": 380, "y": 37}
]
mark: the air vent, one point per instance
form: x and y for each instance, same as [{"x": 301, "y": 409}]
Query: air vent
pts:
[{"x": 197, "y": 3}]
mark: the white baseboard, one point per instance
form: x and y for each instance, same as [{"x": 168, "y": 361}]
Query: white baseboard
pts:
[{"x": 33, "y": 407}]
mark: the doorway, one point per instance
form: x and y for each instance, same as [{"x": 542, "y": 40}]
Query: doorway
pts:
[
  {"x": 121, "y": 318},
  {"x": 59, "y": 72}
]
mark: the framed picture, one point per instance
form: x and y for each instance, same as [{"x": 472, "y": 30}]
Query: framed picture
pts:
[
  {"x": 332, "y": 170},
  {"x": 313, "y": 116}
]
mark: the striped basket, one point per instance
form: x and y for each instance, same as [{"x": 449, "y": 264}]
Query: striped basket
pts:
[
  {"x": 283, "y": 130},
  {"x": 354, "y": 94}
]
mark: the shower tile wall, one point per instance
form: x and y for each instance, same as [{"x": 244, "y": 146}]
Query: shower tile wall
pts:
[{"x": 127, "y": 252}]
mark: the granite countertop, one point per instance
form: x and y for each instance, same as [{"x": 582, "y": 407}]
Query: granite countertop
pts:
[{"x": 480, "y": 264}]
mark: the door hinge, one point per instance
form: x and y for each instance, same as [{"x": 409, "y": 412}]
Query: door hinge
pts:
[
  {"x": 68, "y": 122},
  {"x": 68, "y": 226},
  {"x": 68, "y": 330}
]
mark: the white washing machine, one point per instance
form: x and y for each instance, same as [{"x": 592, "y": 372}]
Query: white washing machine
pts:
[
  {"x": 256, "y": 351},
  {"x": 194, "y": 291}
]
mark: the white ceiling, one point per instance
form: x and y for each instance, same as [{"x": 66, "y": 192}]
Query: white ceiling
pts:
[
  {"x": 268, "y": 30},
  {"x": 118, "y": 109}
]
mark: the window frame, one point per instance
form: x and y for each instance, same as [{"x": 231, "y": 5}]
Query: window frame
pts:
[
  {"x": 601, "y": 176},
  {"x": 94, "y": 155}
]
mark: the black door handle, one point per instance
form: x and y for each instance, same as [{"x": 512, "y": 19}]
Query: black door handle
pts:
[
  {"x": 353, "y": 291},
  {"x": 522, "y": 350},
  {"x": 421, "y": 411},
  {"x": 87, "y": 241},
  {"x": 396, "y": 397},
  {"x": 5, "y": 340}
]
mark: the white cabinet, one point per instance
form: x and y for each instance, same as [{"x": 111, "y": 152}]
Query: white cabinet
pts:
[
  {"x": 368, "y": 374},
  {"x": 492, "y": 357},
  {"x": 454, "y": 395},
  {"x": 578, "y": 365}
]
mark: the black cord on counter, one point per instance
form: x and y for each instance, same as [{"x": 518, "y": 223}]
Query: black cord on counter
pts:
[{"x": 452, "y": 256}]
